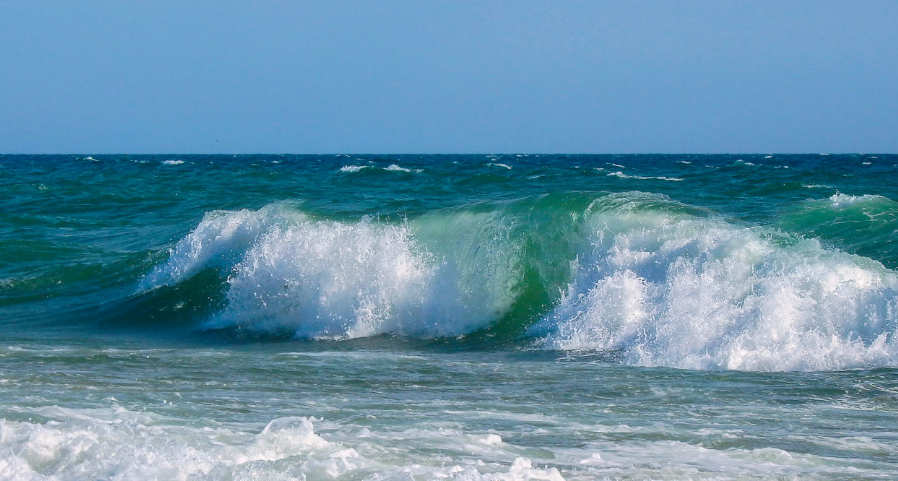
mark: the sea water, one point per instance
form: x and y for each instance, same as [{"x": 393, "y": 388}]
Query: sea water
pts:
[{"x": 497, "y": 317}]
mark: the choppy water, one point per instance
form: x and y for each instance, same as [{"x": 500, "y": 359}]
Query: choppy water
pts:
[{"x": 449, "y": 317}]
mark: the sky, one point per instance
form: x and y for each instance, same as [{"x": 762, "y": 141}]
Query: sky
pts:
[{"x": 393, "y": 76}]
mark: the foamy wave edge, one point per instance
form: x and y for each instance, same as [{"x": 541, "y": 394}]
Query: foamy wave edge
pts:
[
  {"x": 655, "y": 287},
  {"x": 289, "y": 274},
  {"x": 704, "y": 294}
]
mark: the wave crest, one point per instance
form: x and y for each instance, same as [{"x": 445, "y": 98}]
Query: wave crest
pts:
[
  {"x": 289, "y": 274},
  {"x": 703, "y": 294},
  {"x": 654, "y": 281}
]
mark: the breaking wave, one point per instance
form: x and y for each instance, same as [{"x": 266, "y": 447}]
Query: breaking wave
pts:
[
  {"x": 646, "y": 279},
  {"x": 704, "y": 294}
]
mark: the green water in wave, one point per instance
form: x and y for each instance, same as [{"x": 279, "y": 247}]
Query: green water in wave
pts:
[
  {"x": 76, "y": 232},
  {"x": 448, "y": 317}
]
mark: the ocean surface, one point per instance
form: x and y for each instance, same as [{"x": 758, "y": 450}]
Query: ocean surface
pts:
[{"x": 465, "y": 317}]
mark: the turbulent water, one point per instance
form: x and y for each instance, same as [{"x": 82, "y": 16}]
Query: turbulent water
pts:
[{"x": 495, "y": 317}]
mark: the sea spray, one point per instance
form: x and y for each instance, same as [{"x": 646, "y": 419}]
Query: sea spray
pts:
[
  {"x": 332, "y": 279},
  {"x": 287, "y": 274},
  {"x": 649, "y": 279},
  {"x": 660, "y": 289},
  {"x": 218, "y": 241}
]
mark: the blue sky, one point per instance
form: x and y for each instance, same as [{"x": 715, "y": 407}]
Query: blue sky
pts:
[{"x": 448, "y": 76}]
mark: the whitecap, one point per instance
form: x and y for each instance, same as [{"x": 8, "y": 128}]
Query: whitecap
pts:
[
  {"x": 504, "y": 166},
  {"x": 703, "y": 294},
  {"x": 839, "y": 200},
  {"x": 288, "y": 274},
  {"x": 640, "y": 177}
]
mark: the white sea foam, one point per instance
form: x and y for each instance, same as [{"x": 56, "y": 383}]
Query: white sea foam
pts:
[
  {"x": 839, "y": 201},
  {"x": 640, "y": 177},
  {"x": 330, "y": 279},
  {"x": 396, "y": 168},
  {"x": 219, "y": 240},
  {"x": 118, "y": 443},
  {"x": 495, "y": 164},
  {"x": 172, "y": 162},
  {"x": 652, "y": 283},
  {"x": 129, "y": 445},
  {"x": 121, "y": 444},
  {"x": 313, "y": 279},
  {"x": 389, "y": 168},
  {"x": 704, "y": 294},
  {"x": 665, "y": 459}
]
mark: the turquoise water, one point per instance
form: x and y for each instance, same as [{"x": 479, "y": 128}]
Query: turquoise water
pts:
[{"x": 449, "y": 317}]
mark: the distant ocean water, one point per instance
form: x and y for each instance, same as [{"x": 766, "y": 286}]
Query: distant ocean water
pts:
[{"x": 496, "y": 317}]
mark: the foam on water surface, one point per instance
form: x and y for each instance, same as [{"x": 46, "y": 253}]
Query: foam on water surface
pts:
[
  {"x": 448, "y": 319},
  {"x": 646, "y": 278},
  {"x": 218, "y": 240},
  {"x": 643, "y": 177},
  {"x": 330, "y": 279},
  {"x": 497, "y": 164},
  {"x": 115, "y": 443},
  {"x": 704, "y": 294},
  {"x": 843, "y": 200},
  {"x": 118, "y": 443}
]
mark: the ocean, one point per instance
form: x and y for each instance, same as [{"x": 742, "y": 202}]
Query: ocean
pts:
[{"x": 464, "y": 317}]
